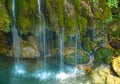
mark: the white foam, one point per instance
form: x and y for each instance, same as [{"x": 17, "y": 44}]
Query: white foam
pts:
[
  {"x": 18, "y": 69},
  {"x": 62, "y": 76}
]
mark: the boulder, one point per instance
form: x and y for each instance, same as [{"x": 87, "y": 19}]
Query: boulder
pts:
[
  {"x": 116, "y": 65},
  {"x": 113, "y": 80},
  {"x": 29, "y": 48},
  {"x": 3, "y": 45},
  {"x": 103, "y": 75},
  {"x": 99, "y": 74},
  {"x": 115, "y": 44}
]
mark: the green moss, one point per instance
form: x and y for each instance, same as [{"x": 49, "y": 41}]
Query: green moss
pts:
[
  {"x": 81, "y": 22},
  {"x": 116, "y": 52},
  {"x": 103, "y": 54},
  {"x": 114, "y": 28},
  {"x": 24, "y": 25},
  {"x": 4, "y": 19},
  {"x": 26, "y": 13},
  {"x": 9, "y": 6},
  {"x": 54, "y": 9},
  {"x": 102, "y": 11},
  {"x": 69, "y": 25}
]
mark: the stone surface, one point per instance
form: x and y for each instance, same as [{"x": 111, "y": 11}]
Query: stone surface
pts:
[
  {"x": 29, "y": 48},
  {"x": 3, "y": 45},
  {"x": 115, "y": 44},
  {"x": 113, "y": 80},
  {"x": 116, "y": 65},
  {"x": 102, "y": 75}
]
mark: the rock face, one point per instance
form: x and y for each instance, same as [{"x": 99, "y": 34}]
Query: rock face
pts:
[
  {"x": 116, "y": 65},
  {"x": 29, "y": 48},
  {"x": 115, "y": 44},
  {"x": 102, "y": 75},
  {"x": 3, "y": 45}
]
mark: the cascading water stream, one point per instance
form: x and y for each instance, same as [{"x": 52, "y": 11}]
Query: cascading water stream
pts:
[
  {"x": 44, "y": 46},
  {"x": 18, "y": 67},
  {"x": 39, "y": 10},
  {"x": 41, "y": 34},
  {"x": 76, "y": 48},
  {"x": 16, "y": 41},
  {"x": 61, "y": 48}
]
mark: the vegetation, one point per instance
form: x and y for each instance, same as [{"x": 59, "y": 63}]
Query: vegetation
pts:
[{"x": 75, "y": 16}]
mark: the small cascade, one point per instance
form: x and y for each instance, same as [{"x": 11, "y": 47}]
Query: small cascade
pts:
[
  {"x": 39, "y": 10},
  {"x": 18, "y": 66},
  {"x": 61, "y": 48},
  {"x": 16, "y": 41},
  {"x": 44, "y": 46},
  {"x": 77, "y": 47},
  {"x": 41, "y": 34}
]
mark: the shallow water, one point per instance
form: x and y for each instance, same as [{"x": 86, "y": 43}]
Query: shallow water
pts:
[{"x": 32, "y": 72}]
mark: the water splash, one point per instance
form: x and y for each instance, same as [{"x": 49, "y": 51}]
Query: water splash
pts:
[
  {"x": 42, "y": 75},
  {"x": 62, "y": 76},
  {"x": 18, "y": 69}
]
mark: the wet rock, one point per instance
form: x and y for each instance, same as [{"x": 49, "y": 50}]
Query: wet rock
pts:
[
  {"x": 29, "y": 48},
  {"x": 100, "y": 74},
  {"x": 3, "y": 45},
  {"x": 115, "y": 44},
  {"x": 116, "y": 65},
  {"x": 69, "y": 54},
  {"x": 114, "y": 31},
  {"x": 69, "y": 10},
  {"x": 85, "y": 67}
]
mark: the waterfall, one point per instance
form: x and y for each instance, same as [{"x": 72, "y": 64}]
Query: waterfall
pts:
[
  {"x": 44, "y": 46},
  {"x": 61, "y": 48},
  {"x": 41, "y": 34},
  {"x": 39, "y": 10},
  {"x": 76, "y": 48},
  {"x": 16, "y": 41}
]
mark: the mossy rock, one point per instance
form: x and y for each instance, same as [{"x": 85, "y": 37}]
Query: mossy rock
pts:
[
  {"x": 3, "y": 45},
  {"x": 4, "y": 18},
  {"x": 116, "y": 52},
  {"x": 103, "y": 54},
  {"x": 69, "y": 56},
  {"x": 114, "y": 29},
  {"x": 26, "y": 15}
]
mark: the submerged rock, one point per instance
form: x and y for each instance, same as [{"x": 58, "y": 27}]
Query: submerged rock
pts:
[{"x": 116, "y": 65}]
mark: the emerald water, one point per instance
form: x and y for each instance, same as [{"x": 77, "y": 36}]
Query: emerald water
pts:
[{"x": 32, "y": 72}]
